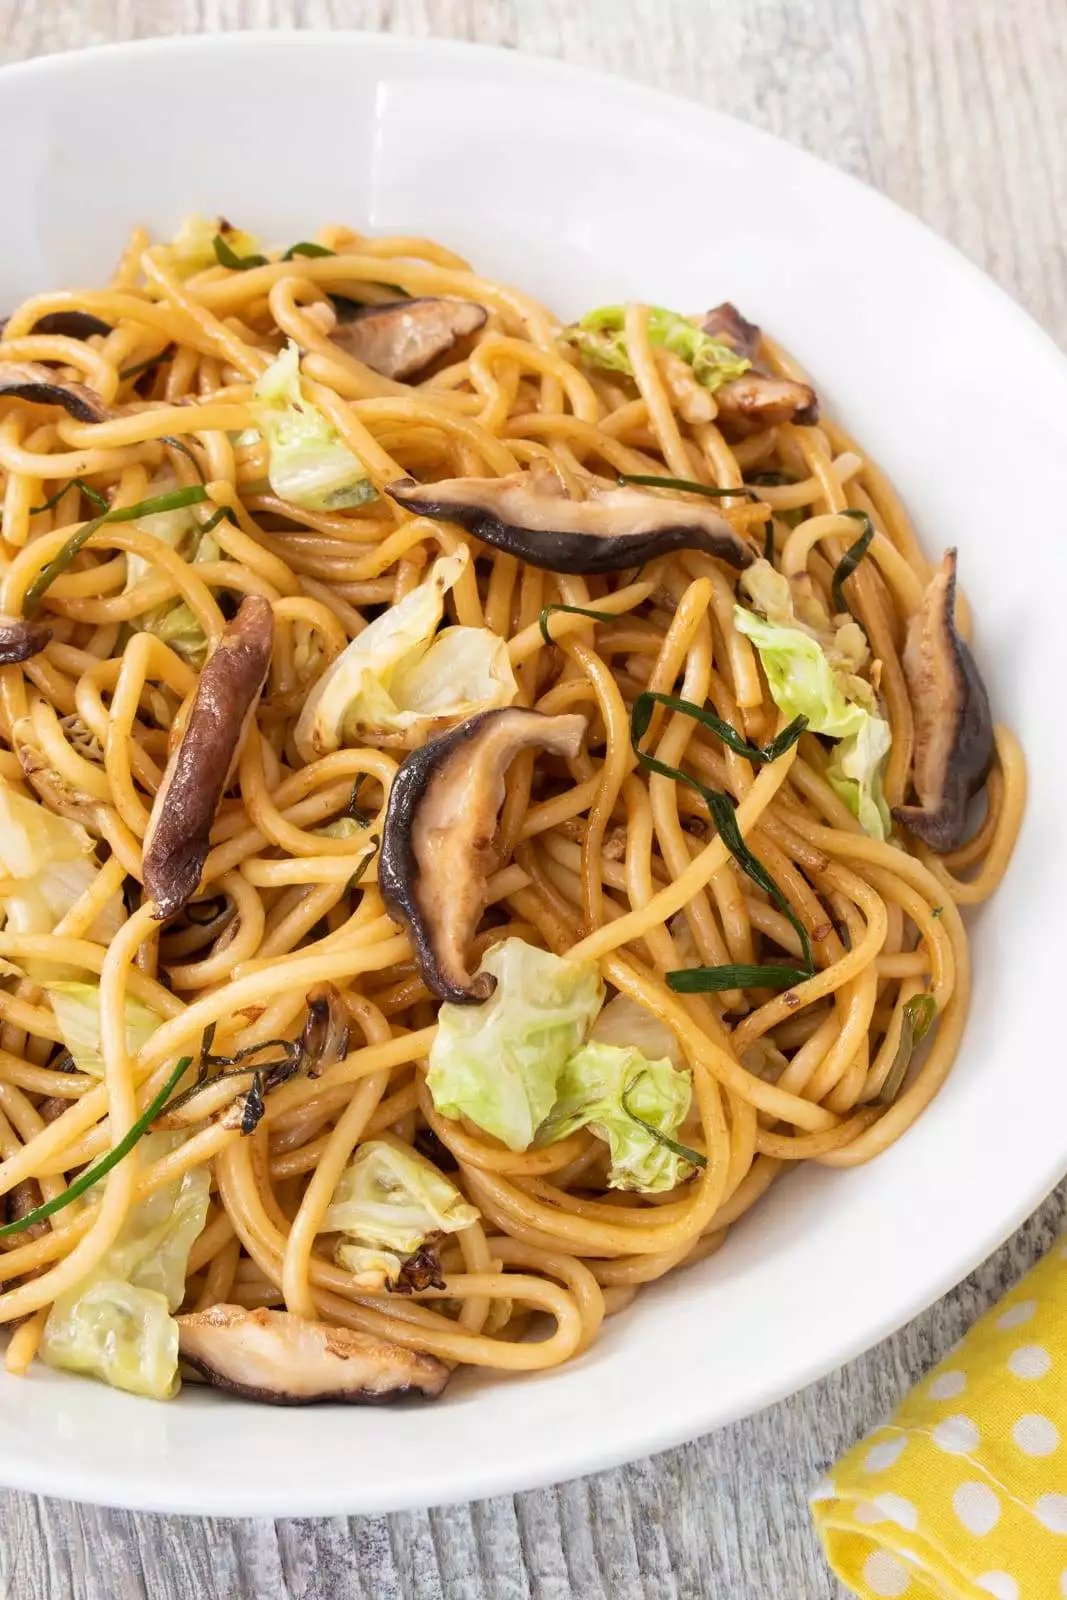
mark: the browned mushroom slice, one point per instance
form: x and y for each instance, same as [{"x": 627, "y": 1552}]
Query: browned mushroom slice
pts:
[
  {"x": 23, "y": 1198},
  {"x": 288, "y": 1361},
  {"x": 760, "y": 399},
  {"x": 68, "y": 324},
  {"x": 72, "y": 324},
  {"x": 20, "y": 639},
  {"x": 726, "y": 324},
  {"x": 757, "y": 401},
  {"x": 437, "y": 838},
  {"x": 31, "y": 380},
  {"x": 530, "y": 516},
  {"x": 176, "y": 841},
  {"x": 402, "y": 337},
  {"x": 953, "y": 725}
]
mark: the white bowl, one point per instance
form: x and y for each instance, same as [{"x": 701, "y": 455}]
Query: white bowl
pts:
[{"x": 585, "y": 190}]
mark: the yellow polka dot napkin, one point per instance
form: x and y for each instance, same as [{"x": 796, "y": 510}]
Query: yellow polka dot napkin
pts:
[{"x": 963, "y": 1494}]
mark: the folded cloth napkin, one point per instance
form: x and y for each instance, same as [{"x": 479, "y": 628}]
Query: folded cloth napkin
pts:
[{"x": 964, "y": 1493}]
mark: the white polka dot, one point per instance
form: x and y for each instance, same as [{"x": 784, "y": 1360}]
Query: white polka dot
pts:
[
  {"x": 1063, "y": 1574},
  {"x": 1029, "y": 1361},
  {"x": 1051, "y": 1512},
  {"x": 884, "y": 1575},
  {"x": 824, "y": 1491},
  {"x": 977, "y": 1506},
  {"x": 958, "y": 1436},
  {"x": 1000, "y": 1584},
  {"x": 881, "y": 1456},
  {"x": 898, "y": 1510},
  {"x": 1016, "y": 1315},
  {"x": 1036, "y": 1435},
  {"x": 947, "y": 1385},
  {"x": 867, "y": 1514}
]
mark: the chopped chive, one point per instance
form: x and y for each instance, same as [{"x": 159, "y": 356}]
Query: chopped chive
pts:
[
  {"x": 66, "y": 553},
  {"x": 353, "y": 808},
  {"x": 721, "y": 807},
  {"x": 345, "y": 307},
  {"x": 75, "y": 483},
  {"x": 213, "y": 521},
  {"x": 778, "y": 480},
  {"x": 152, "y": 361},
  {"x": 226, "y": 256},
  {"x": 723, "y": 815},
  {"x": 207, "y": 1039},
  {"x": 919, "y": 1014},
  {"x": 938, "y": 911},
  {"x": 694, "y": 1157},
  {"x": 93, "y": 1174},
  {"x": 180, "y": 444},
  {"x": 307, "y": 247},
  {"x": 707, "y": 980},
  {"x": 192, "y": 495},
  {"x": 289, "y": 1046},
  {"x": 374, "y": 841},
  {"x": 654, "y": 481},
  {"x": 768, "y": 543},
  {"x": 348, "y": 309},
  {"x": 642, "y": 716},
  {"x": 269, "y": 1073},
  {"x": 289, "y": 1059},
  {"x": 851, "y": 558},
  {"x": 252, "y": 1112},
  {"x": 580, "y": 611},
  {"x": 215, "y": 905}
]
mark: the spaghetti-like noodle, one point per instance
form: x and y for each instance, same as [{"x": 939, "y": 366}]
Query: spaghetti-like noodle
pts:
[{"x": 597, "y": 858}]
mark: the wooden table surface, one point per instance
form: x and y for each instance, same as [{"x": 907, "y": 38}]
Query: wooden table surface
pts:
[{"x": 955, "y": 108}]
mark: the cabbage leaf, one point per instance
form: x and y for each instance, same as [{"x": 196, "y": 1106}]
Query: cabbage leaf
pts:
[
  {"x": 387, "y": 1203},
  {"x": 308, "y": 463},
  {"x": 117, "y": 1324},
  {"x": 50, "y": 860},
  {"x": 32, "y": 838},
  {"x": 800, "y": 678},
  {"x": 615, "y": 1091},
  {"x": 498, "y": 1064},
  {"x": 855, "y": 776},
  {"x": 76, "y": 1007},
  {"x": 803, "y": 682},
  {"x": 193, "y": 247},
  {"x": 173, "y": 621},
  {"x": 400, "y": 681},
  {"x": 600, "y": 339},
  {"x": 625, "y": 1022}
]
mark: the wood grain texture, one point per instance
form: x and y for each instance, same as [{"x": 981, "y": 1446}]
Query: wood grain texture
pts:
[{"x": 955, "y": 110}]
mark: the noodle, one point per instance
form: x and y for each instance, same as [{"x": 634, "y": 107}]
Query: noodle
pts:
[{"x": 603, "y": 858}]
